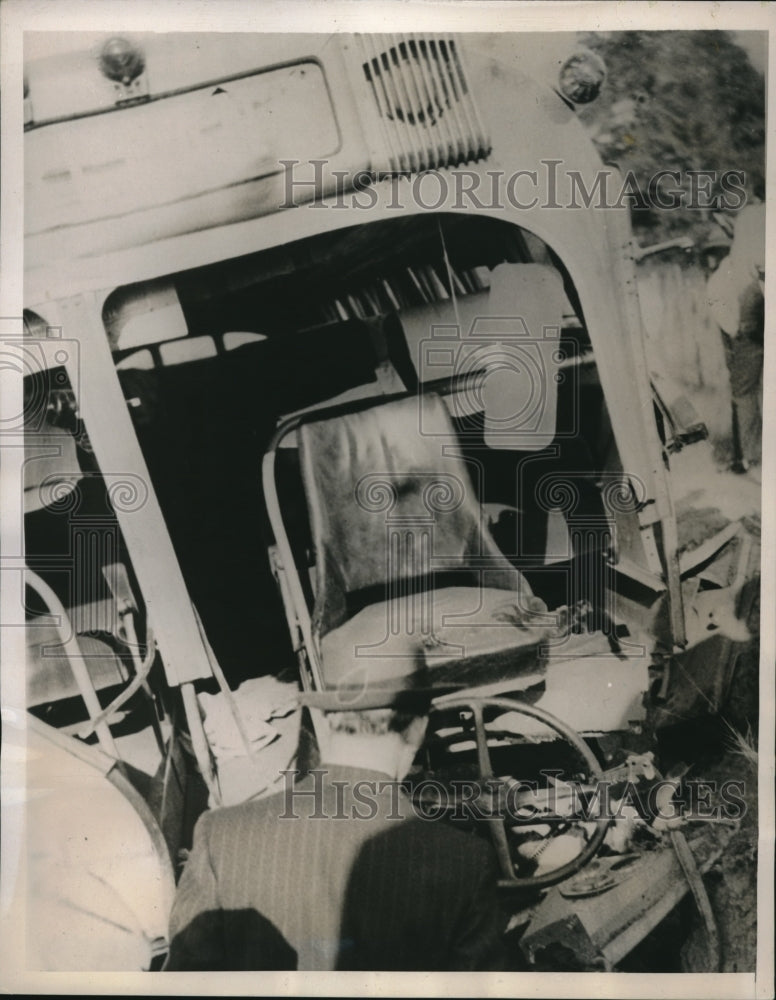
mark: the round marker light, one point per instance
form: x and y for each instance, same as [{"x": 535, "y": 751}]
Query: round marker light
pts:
[
  {"x": 582, "y": 76},
  {"x": 121, "y": 60}
]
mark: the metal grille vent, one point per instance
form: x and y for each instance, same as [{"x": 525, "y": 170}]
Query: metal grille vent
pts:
[{"x": 426, "y": 109}]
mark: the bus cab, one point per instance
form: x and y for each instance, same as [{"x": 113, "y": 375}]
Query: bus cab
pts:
[{"x": 313, "y": 325}]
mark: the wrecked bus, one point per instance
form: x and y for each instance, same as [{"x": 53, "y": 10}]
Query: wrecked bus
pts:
[{"x": 324, "y": 344}]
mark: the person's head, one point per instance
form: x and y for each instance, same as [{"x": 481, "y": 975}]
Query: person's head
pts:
[
  {"x": 377, "y": 707},
  {"x": 381, "y": 739}
]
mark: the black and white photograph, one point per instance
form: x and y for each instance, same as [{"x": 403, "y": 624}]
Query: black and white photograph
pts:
[{"x": 384, "y": 552}]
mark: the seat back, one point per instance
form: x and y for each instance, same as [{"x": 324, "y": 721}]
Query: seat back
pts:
[{"x": 391, "y": 505}]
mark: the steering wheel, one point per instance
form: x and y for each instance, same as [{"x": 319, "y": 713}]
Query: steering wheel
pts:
[{"x": 476, "y": 707}]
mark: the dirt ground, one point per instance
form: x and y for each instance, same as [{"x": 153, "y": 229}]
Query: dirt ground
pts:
[{"x": 732, "y": 882}]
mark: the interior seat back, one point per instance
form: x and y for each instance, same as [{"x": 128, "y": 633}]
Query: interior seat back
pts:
[{"x": 392, "y": 506}]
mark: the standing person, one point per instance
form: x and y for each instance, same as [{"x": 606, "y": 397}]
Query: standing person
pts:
[
  {"x": 736, "y": 300},
  {"x": 337, "y": 872}
]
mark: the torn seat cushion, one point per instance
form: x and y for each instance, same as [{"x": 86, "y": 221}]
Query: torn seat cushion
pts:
[{"x": 468, "y": 635}]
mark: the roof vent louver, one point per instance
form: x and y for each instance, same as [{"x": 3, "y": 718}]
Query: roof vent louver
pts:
[{"x": 426, "y": 112}]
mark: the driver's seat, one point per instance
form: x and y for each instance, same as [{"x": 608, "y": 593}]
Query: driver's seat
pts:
[{"x": 402, "y": 554}]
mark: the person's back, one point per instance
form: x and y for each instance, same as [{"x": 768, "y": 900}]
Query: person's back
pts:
[
  {"x": 336, "y": 873},
  {"x": 421, "y": 896}
]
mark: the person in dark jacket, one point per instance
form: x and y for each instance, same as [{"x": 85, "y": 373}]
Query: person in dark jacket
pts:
[{"x": 339, "y": 871}]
